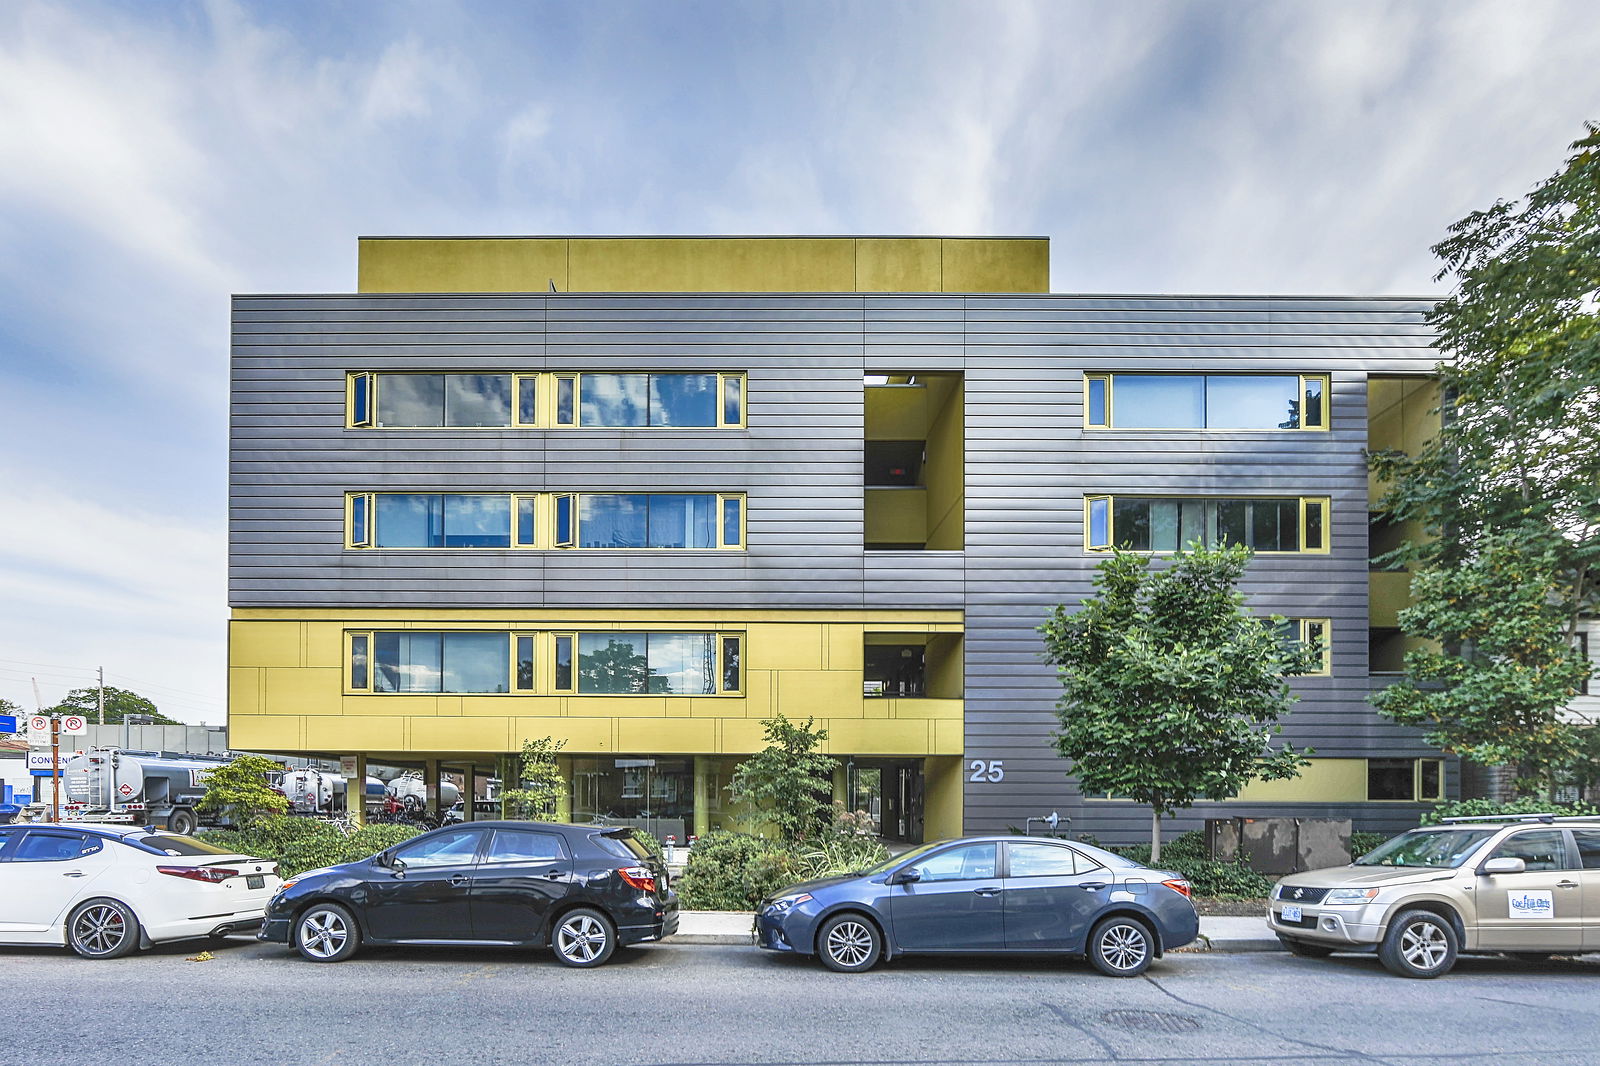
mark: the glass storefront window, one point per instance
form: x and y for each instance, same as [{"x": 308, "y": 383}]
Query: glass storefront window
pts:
[{"x": 655, "y": 794}]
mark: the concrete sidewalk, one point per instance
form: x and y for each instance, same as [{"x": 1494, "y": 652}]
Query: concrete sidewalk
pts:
[{"x": 1216, "y": 933}]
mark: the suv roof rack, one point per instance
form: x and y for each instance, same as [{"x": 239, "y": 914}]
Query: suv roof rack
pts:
[{"x": 1546, "y": 818}]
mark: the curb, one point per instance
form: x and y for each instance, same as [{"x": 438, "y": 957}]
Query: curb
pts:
[
  {"x": 710, "y": 939},
  {"x": 1230, "y": 945}
]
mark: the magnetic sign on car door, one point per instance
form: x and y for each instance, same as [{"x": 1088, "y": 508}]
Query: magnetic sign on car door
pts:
[{"x": 1532, "y": 904}]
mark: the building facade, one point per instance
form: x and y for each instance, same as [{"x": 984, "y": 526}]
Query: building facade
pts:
[{"x": 639, "y": 495}]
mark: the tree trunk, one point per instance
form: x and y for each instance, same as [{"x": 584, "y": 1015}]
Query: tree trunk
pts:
[{"x": 1155, "y": 836}]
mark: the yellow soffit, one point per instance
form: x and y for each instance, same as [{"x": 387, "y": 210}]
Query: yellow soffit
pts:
[{"x": 703, "y": 264}]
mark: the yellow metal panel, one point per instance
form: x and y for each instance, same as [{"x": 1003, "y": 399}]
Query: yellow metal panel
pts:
[
  {"x": 758, "y": 693},
  {"x": 819, "y": 693},
  {"x": 712, "y": 264},
  {"x": 898, "y": 264},
  {"x": 946, "y": 666},
  {"x": 461, "y": 734},
  {"x": 244, "y": 691},
  {"x": 469, "y": 264},
  {"x": 581, "y": 734},
  {"x": 896, "y": 516},
  {"x": 708, "y": 707},
  {"x": 397, "y": 705},
  {"x": 666, "y": 735},
  {"x": 949, "y": 738},
  {"x": 869, "y": 736},
  {"x": 895, "y": 412},
  {"x": 264, "y": 644},
  {"x": 1390, "y": 590},
  {"x": 945, "y": 473},
  {"x": 517, "y": 705},
  {"x": 845, "y": 649},
  {"x": 942, "y": 802},
  {"x": 324, "y": 644},
  {"x": 1324, "y": 781},
  {"x": 355, "y": 734},
  {"x": 949, "y": 710},
  {"x": 312, "y": 690},
  {"x": 986, "y": 265},
  {"x": 618, "y": 706},
  {"x": 786, "y": 647},
  {"x": 260, "y": 732},
  {"x": 740, "y": 736}
]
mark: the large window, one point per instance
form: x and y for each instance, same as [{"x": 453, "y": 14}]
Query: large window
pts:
[
  {"x": 1405, "y": 780},
  {"x": 1311, "y": 633},
  {"x": 1153, "y": 524},
  {"x": 1205, "y": 401},
  {"x": 544, "y": 520},
  {"x": 410, "y": 400},
  {"x": 580, "y": 663}
]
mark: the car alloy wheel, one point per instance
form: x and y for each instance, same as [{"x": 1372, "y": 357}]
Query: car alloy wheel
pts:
[
  {"x": 584, "y": 938},
  {"x": 103, "y": 929},
  {"x": 849, "y": 944},
  {"x": 326, "y": 933},
  {"x": 1120, "y": 947},
  {"x": 1418, "y": 944}
]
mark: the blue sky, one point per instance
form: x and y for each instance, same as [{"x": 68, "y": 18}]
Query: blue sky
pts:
[{"x": 157, "y": 157}]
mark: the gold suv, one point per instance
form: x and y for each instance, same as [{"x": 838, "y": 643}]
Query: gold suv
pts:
[{"x": 1526, "y": 886}]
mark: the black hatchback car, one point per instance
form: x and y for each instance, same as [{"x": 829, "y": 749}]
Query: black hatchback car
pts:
[
  {"x": 986, "y": 896},
  {"x": 583, "y": 890}
]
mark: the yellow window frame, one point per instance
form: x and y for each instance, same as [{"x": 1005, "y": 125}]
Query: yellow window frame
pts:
[
  {"x": 723, "y": 640},
  {"x": 366, "y": 503},
  {"x": 1089, "y": 544},
  {"x": 1089, "y": 381},
  {"x": 534, "y": 501},
  {"x": 574, "y": 380},
  {"x": 514, "y": 687},
  {"x": 572, "y": 687},
  {"x": 722, "y": 502},
  {"x": 1318, "y": 632},
  {"x": 1108, "y": 380},
  {"x": 357, "y": 381},
  {"x": 1307, "y": 503},
  {"x": 350, "y": 638},
  {"x": 723, "y": 381},
  {"x": 518, "y": 383},
  {"x": 1327, "y": 406},
  {"x": 1416, "y": 783}
]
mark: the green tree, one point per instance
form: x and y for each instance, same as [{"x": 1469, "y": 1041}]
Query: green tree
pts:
[
  {"x": 1172, "y": 690},
  {"x": 238, "y": 791},
  {"x": 540, "y": 785},
  {"x": 120, "y": 703},
  {"x": 1507, "y": 496},
  {"x": 11, "y": 709},
  {"x": 788, "y": 784}
]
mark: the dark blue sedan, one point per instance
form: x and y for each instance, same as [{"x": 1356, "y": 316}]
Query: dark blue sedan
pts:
[{"x": 986, "y": 896}]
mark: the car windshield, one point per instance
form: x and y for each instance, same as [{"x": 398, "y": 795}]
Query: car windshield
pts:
[
  {"x": 1428, "y": 847},
  {"x": 905, "y": 856}
]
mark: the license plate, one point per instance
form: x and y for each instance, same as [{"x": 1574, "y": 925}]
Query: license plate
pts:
[
  {"x": 260, "y": 881},
  {"x": 1291, "y": 914}
]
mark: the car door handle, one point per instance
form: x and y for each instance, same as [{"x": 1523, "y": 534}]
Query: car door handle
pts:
[
  {"x": 554, "y": 875},
  {"x": 989, "y": 891},
  {"x": 1093, "y": 886},
  {"x": 459, "y": 879},
  {"x": 1566, "y": 884},
  {"x": 72, "y": 873}
]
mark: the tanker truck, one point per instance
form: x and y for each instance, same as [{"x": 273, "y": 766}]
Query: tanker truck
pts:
[
  {"x": 323, "y": 792},
  {"x": 141, "y": 787},
  {"x": 410, "y": 790}
]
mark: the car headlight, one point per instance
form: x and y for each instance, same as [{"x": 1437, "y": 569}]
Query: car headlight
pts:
[
  {"x": 784, "y": 904},
  {"x": 1350, "y": 896}
]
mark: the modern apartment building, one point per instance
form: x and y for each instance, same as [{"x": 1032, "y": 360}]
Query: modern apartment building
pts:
[{"x": 640, "y": 494}]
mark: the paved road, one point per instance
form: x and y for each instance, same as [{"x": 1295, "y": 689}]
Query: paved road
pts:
[{"x": 663, "y": 1004}]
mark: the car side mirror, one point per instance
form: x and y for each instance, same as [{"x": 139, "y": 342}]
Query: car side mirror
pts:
[
  {"x": 395, "y": 865},
  {"x": 907, "y": 876},
  {"x": 1504, "y": 865}
]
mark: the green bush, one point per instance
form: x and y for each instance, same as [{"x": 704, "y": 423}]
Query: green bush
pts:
[
  {"x": 301, "y": 844},
  {"x": 735, "y": 871},
  {"x": 1481, "y": 807},
  {"x": 1214, "y": 880},
  {"x": 1361, "y": 843},
  {"x": 840, "y": 853}
]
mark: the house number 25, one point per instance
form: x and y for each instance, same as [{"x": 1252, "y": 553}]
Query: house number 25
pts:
[{"x": 994, "y": 770}]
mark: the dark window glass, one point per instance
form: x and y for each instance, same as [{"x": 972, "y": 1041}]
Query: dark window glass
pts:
[
  {"x": 515, "y": 845},
  {"x": 1386, "y": 651},
  {"x": 1172, "y": 525},
  {"x": 40, "y": 846},
  {"x": 613, "y": 520},
  {"x": 563, "y": 521},
  {"x": 474, "y": 662},
  {"x": 525, "y": 519},
  {"x": 564, "y": 389},
  {"x": 524, "y": 663},
  {"x": 731, "y": 523},
  {"x": 683, "y": 399},
  {"x": 1251, "y": 401},
  {"x": 1043, "y": 860},
  {"x": 458, "y": 848},
  {"x": 1233, "y": 522},
  {"x": 358, "y": 660},
  {"x": 1384, "y": 535},
  {"x": 612, "y": 663},
  {"x": 615, "y": 400},
  {"x": 1588, "y": 847},
  {"x": 731, "y": 681},
  {"x": 477, "y": 399},
  {"x": 1539, "y": 849},
  {"x": 1583, "y": 653},
  {"x": 623, "y": 846},
  {"x": 682, "y": 521},
  {"x": 732, "y": 402},
  {"x": 1160, "y": 401},
  {"x": 1391, "y": 779},
  {"x": 1275, "y": 525},
  {"x": 171, "y": 844},
  {"x": 411, "y": 400},
  {"x": 528, "y": 400},
  {"x": 1432, "y": 779},
  {"x": 358, "y": 520},
  {"x": 477, "y": 522},
  {"x": 1314, "y": 534},
  {"x": 969, "y": 863},
  {"x": 1097, "y": 401},
  {"x": 1131, "y": 520},
  {"x": 409, "y": 520},
  {"x": 406, "y": 662},
  {"x": 1313, "y": 412},
  {"x": 564, "y": 664},
  {"x": 361, "y": 398},
  {"x": 1317, "y": 637}
]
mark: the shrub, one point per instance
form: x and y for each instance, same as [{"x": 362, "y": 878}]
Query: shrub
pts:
[
  {"x": 301, "y": 844},
  {"x": 840, "y": 853},
  {"x": 1361, "y": 843},
  {"x": 1214, "y": 880},
  {"x": 734, "y": 871},
  {"x": 1482, "y": 807}
]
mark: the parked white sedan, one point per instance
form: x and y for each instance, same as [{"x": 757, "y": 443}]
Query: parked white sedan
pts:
[{"x": 106, "y": 890}]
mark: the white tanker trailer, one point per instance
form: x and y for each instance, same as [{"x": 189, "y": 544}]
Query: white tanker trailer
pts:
[
  {"x": 410, "y": 790},
  {"x": 141, "y": 787},
  {"x": 323, "y": 792}
]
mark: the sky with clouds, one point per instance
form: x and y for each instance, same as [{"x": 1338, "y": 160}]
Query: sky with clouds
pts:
[{"x": 157, "y": 157}]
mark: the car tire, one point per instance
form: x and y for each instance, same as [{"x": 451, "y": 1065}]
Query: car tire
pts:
[
  {"x": 849, "y": 943},
  {"x": 1303, "y": 949},
  {"x": 1418, "y": 944},
  {"x": 1121, "y": 947},
  {"x": 102, "y": 929},
  {"x": 326, "y": 932},
  {"x": 583, "y": 938},
  {"x": 183, "y": 822}
]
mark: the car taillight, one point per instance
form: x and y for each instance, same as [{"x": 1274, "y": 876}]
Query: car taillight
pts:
[
  {"x": 639, "y": 877},
  {"x": 209, "y": 874},
  {"x": 1178, "y": 885}
]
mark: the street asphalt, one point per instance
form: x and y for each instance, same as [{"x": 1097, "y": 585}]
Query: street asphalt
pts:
[{"x": 682, "y": 1004}]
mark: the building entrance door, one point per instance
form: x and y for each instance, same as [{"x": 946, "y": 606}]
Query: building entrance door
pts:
[{"x": 891, "y": 791}]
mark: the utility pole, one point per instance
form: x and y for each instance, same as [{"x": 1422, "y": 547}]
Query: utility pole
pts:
[{"x": 101, "y": 700}]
